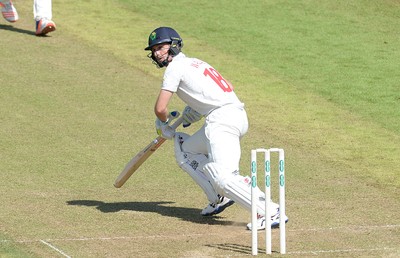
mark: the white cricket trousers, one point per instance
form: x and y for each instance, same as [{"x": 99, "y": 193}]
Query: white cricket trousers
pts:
[
  {"x": 42, "y": 9},
  {"x": 219, "y": 138}
]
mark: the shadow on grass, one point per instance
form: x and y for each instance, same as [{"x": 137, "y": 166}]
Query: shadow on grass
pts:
[
  {"x": 11, "y": 28},
  {"x": 162, "y": 208},
  {"x": 244, "y": 249},
  {"x": 235, "y": 248}
]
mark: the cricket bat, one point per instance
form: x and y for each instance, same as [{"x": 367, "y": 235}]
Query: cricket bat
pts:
[{"x": 141, "y": 157}]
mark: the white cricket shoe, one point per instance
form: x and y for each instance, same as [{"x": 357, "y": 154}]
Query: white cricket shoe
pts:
[
  {"x": 8, "y": 11},
  {"x": 44, "y": 26},
  {"x": 274, "y": 221},
  {"x": 213, "y": 208}
]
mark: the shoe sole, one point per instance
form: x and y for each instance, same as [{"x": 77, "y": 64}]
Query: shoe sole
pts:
[
  {"x": 10, "y": 16},
  {"x": 220, "y": 209},
  {"x": 46, "y": 30},
  {"x": 276, "y": 225}
]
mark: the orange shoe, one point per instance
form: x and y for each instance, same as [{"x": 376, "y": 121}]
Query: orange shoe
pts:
[
  {"x": 8, "y": 11},
  {"x": 44, "y": 26}
]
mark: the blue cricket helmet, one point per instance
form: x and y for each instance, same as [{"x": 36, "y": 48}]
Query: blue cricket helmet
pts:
[{"x": 165, "y": 35}]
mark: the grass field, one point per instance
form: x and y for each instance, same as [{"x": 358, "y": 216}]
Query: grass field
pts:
[{"x": 319, "y": 79}]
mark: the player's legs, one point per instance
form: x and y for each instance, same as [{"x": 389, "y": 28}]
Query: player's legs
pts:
[
  {"x": 42, "y": 13},
  {"x": 42, "y": 9},
  {"x": 192, "y": 163},
  {"x": 236, "y": 187},
  {"x": 224, "y": 128},
  {"x": 197, "y": 143},
  {"x": 223, "y": 131}
]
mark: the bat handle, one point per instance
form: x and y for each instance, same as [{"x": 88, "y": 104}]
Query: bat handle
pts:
[{"x": 177, "y": 123}]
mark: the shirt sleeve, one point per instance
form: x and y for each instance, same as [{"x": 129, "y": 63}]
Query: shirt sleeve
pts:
[{"x": 172, "y": 77}]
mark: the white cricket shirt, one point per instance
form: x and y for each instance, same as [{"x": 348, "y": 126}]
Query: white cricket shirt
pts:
[{"x": 198, "y": 84}]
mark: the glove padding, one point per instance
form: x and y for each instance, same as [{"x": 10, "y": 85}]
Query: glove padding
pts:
[
  {"x": 163, "y": 129},
  {"x": 190, "y": 116}
]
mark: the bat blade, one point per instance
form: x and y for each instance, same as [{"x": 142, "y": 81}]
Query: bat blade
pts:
[
  {"x": 137, "y": 161},
  {"x": 141, "y": 157}
]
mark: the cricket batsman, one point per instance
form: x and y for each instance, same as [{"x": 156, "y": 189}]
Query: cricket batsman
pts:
[{"x": 211, "y": 155}]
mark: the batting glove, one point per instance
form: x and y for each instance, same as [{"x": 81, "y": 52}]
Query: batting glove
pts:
[
  {"x": 163, "y": 129},
  {"x": 190, "y": 116}
]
